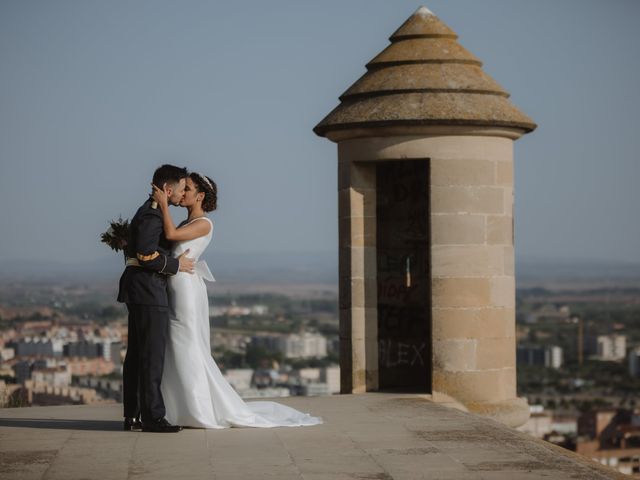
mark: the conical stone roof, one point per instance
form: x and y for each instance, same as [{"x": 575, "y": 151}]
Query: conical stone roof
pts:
[{"x": 424, "y": 77}]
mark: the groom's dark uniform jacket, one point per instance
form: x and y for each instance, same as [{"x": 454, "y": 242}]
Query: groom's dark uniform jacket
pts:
[
  {"x": 147, "y": 284},
  {"x": 143, "y": 287}
]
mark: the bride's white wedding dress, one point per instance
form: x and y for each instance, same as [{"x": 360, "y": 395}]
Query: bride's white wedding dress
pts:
[{"x": 194, "y": 390}]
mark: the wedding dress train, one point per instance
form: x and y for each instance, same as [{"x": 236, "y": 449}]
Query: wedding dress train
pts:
[{"x": 195, "y": 392}]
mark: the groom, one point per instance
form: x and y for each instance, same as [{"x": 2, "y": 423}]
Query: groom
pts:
[{"x": 143, "y": 287}]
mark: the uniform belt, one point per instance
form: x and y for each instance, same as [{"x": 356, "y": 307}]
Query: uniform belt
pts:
[
  {"x": 132, "y": 262},
  {"x": 200, "y": 268}
]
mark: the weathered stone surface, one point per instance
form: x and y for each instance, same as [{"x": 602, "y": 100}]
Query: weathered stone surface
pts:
[
  {"x": 509, "y": 260},
  {"x": 455, "y": 355},
  {"x": 461, "y": 292},
  {"x": 467, "y": 260},
  {"x": 473, "y": 323},
  {"x": 423, "y": 50},
  {"x": 423, "y": 24},
  {"x": 374, "y": 436},
  {"x": 364, "y": 293},
  {"x": 365, "y": 322},
  {"x": 505, "y": 173},
  {"x": 356, "y": 175},
  {"x": 500, "y": 229},
  {"x": 445, "y": 145},
  {"x": 428, "y": 77},
  {"x": 424, "y": 77},
  {"x": 476, "y": 172},
  {"x": 361, "y": 229},
  {"x": 477, "y": 386},
  {"x": 356, "y": 202},
  {"x": 495, "y": 352},
  {"x": 508, "y": 202},
  {"x": 425, "y": 108},
  {"x": 468, "y": 199},
  {"x": 346, "y": 364},
  {"x": 455, "y": 229},
  {"x": 503, "y": 291}
]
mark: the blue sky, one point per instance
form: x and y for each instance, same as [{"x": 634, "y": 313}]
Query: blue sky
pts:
[{"x": 94, "y": 95}]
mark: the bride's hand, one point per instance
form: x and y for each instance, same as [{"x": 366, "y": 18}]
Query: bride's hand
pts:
[{"x": 160, "y": 196}]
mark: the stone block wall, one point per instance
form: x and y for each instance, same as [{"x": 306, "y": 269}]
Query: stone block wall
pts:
[{"x": 472, "y": 265}]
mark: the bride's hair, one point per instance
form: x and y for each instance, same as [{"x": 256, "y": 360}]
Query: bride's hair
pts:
[{"x": 209, "y": 188}]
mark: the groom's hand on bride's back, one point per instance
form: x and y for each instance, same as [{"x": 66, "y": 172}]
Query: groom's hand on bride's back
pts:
[{"x": 186, "y": 263}]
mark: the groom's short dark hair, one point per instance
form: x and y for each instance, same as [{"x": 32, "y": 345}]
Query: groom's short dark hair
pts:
[{"x": 168, "y": 174}]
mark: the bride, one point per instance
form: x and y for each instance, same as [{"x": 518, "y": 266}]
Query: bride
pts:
[{"x": 194, "y": 390}]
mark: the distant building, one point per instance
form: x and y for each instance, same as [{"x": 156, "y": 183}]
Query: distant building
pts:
[
  {"x": 239, "y": 378},
  {"x": 634, "y": 362},
  {"x": 237, "y": 311},
  {"x": 331, "y": 376},
  {"x": 302, "y": 345},
  {"x": 319, "y": 381},
  {"x": 539, "y": 423},
  {"x": 314, "y": 389},
  {"x": 106, "y": 387},
  {"x": 591, "y": 425},
  {"x": 265, "y": 392},
  {"x": 611, "y": 437},
  {"x": 59, "y": 376},
  {"x": 22, "y": 371},
  {"x": 259, "y": 310},
  {"x": 611, "y": 347},
  {"x": 270, "y": 343},
  {"x": 90, "y": 366},
  {"x": 540, "y": 355},
  {"x": 560, "y": 429},
  {"x": 229, "y": 341},
  {"x": 549, "y": 313},
  {"x": 309, "y": 374},
  {"x": 110, "y": 351},
  {"x": 36, "y": 347},
  {"x": 82, "y": 348},
  {"x": 7, "y": 354}
]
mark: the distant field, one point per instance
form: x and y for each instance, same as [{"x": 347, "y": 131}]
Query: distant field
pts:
[{"x": 293, "y": 290}]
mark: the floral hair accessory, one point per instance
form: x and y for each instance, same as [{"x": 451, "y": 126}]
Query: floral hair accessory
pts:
[{"x": 204, "y": 179}]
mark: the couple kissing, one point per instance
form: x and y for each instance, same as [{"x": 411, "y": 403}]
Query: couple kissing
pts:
[{"x": 170, "y": 379}]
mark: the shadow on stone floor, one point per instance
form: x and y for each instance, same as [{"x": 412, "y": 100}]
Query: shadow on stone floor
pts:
[{"x": 62, "y": 424}]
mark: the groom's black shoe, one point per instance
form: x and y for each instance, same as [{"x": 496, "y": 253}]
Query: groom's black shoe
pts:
[
  {"x": 132, "y": 424},
  {"x": 161, "y": 426}
]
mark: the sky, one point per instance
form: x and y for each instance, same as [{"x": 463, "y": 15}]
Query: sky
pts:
[{"x": 95, "y": 95}]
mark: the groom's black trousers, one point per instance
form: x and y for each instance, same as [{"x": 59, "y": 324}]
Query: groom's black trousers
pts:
[{"x": 144, "y": 362}]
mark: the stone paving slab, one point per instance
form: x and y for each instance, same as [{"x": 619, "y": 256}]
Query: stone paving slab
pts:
[{"x": 374, "y": 436}]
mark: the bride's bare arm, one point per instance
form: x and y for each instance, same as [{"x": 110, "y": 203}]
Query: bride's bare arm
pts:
[{"x": 186, "y": 232}]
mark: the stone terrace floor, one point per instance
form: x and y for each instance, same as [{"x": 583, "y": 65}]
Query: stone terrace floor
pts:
[{"x": 372, "y": 436}]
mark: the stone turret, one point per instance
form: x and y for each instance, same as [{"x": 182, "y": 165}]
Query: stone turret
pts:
[
  {"x": 424, "y": 78},
  {"x": 425, "y": 179}
]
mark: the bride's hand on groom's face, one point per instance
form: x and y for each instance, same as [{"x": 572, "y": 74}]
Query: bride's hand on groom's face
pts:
[{"x": 160, "y": 196}]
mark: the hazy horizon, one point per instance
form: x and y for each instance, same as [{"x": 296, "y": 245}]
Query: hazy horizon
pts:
[
  {"x": 311, "y": 268},
  {"x": 519, "y": 258}
]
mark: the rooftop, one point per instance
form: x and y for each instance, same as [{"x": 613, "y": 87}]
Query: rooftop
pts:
[
  {"x": 424, "y": 78},
  {"x": 367, "y": 436}
]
